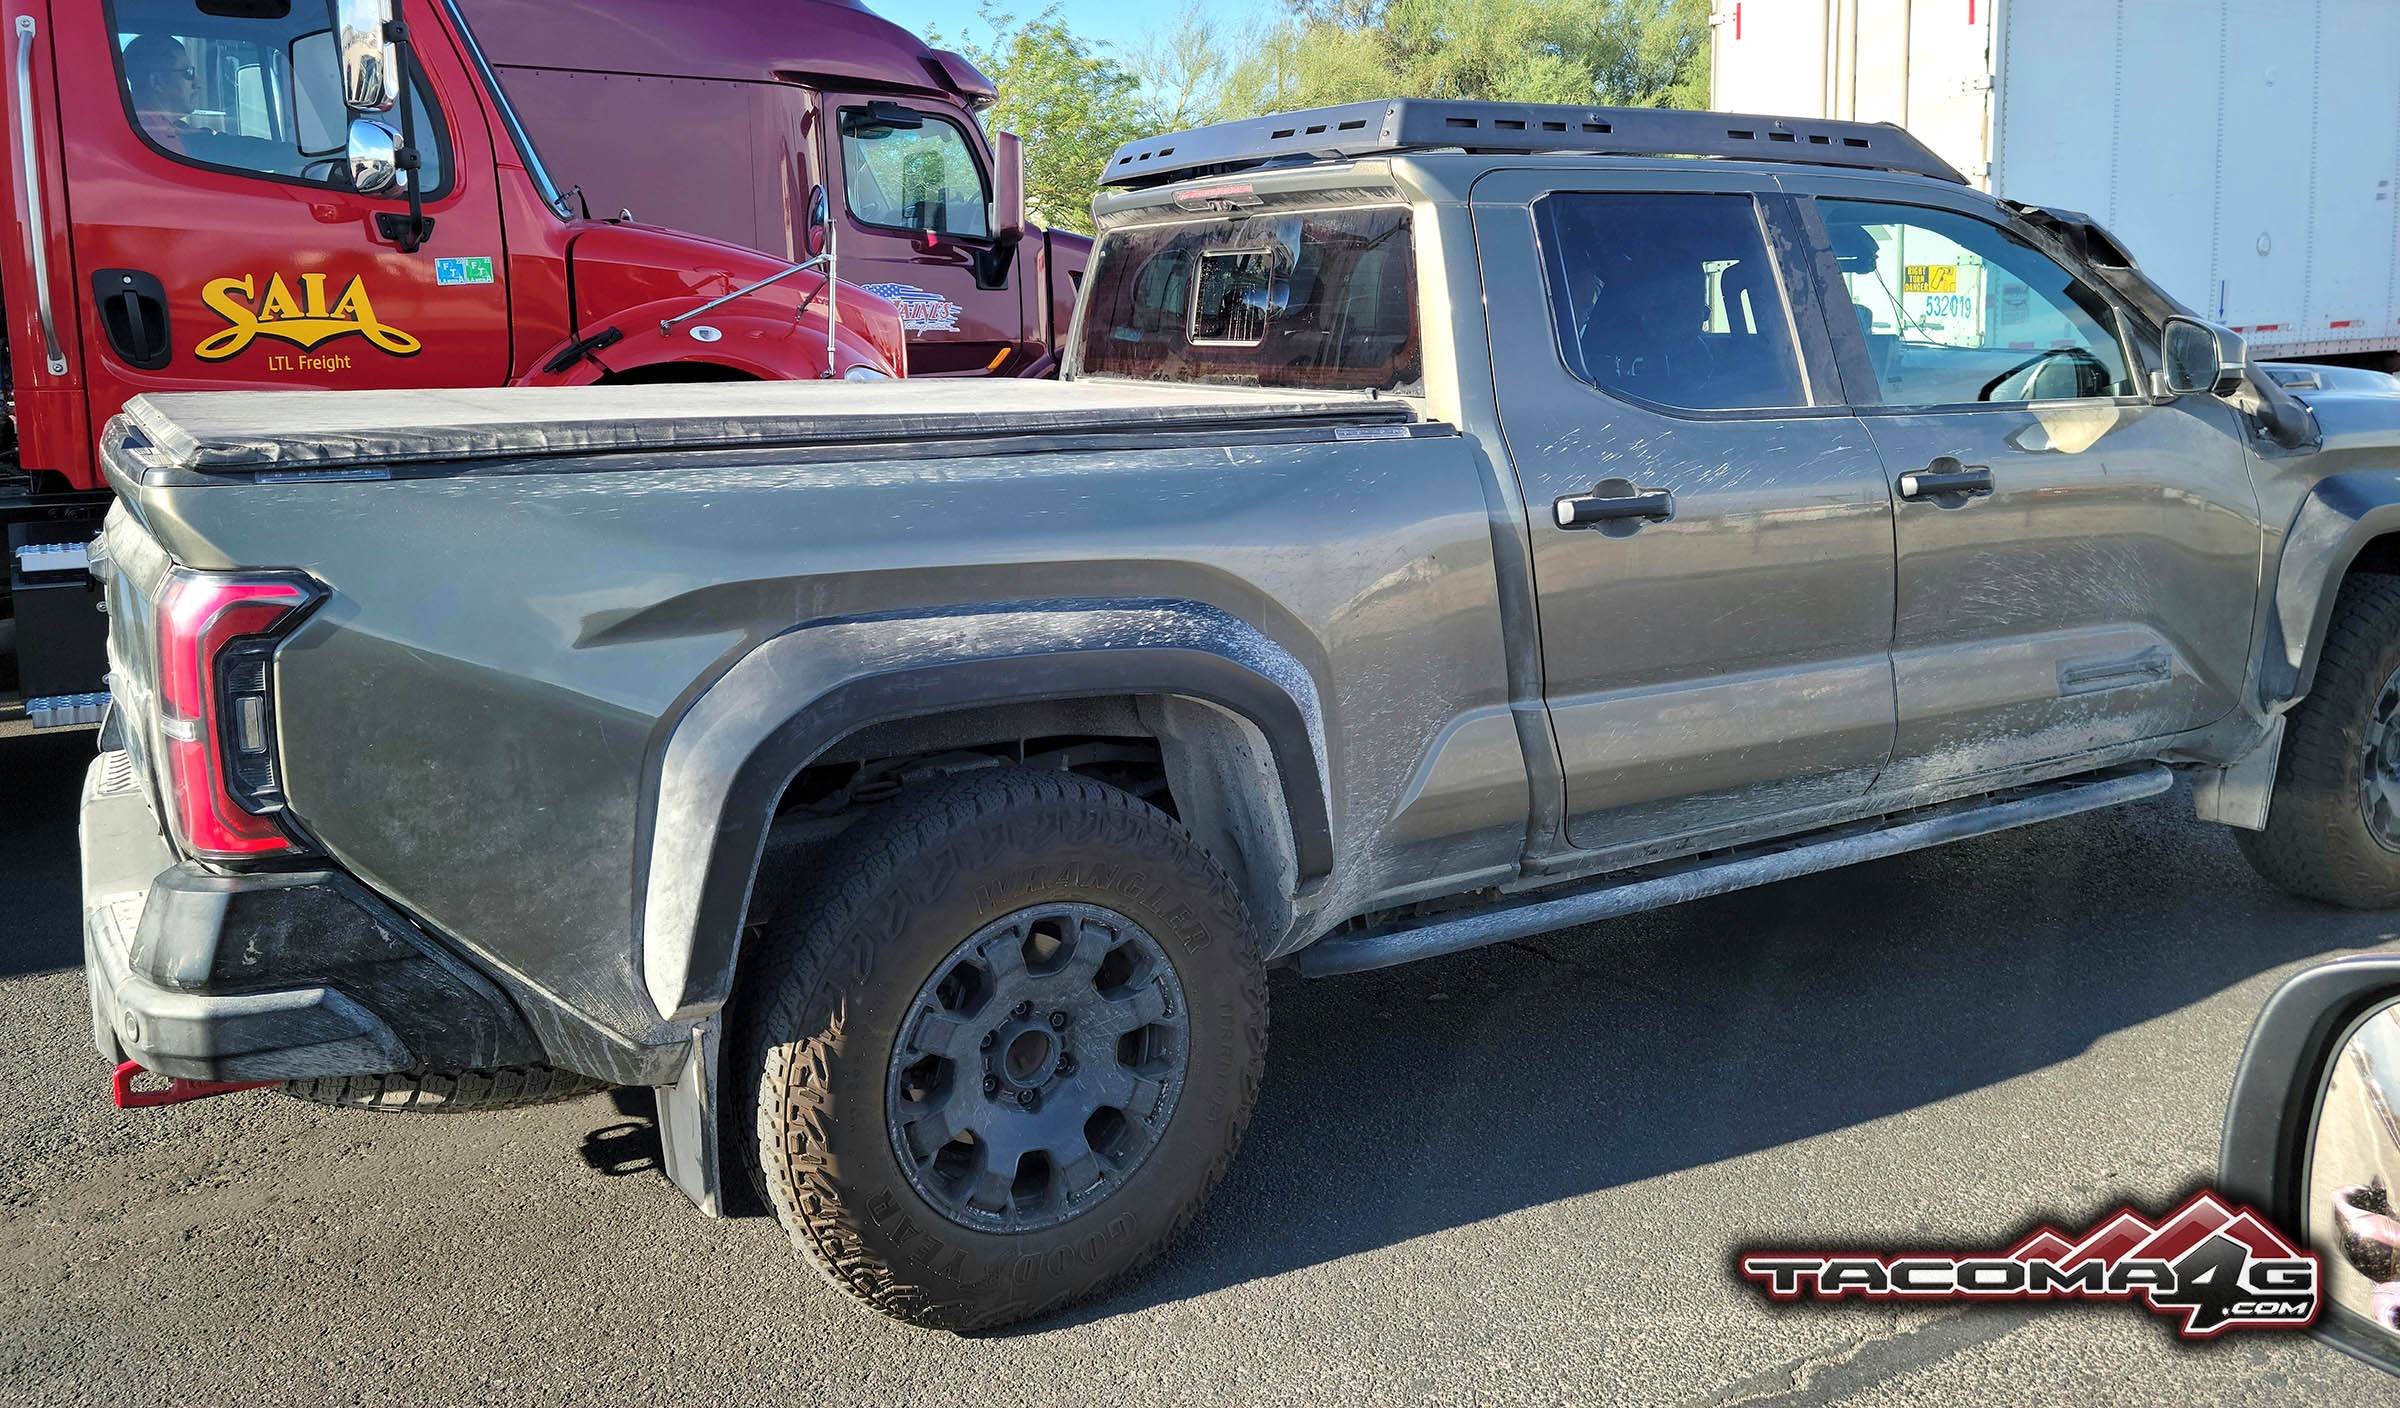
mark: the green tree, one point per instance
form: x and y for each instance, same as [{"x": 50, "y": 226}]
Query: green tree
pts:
[{"x": 1073, "y": 105}]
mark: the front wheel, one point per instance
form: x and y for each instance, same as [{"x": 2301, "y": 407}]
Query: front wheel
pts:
[
  {"x": 1005, "y": 1049},
  {"x": 2333, "y": 823}
]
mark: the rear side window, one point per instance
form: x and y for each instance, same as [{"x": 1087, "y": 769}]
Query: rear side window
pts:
[
  {"x": 1325, "y": 299},
  {"x": 253, "y": 87},
  {"x": 1669, "y": 299}
]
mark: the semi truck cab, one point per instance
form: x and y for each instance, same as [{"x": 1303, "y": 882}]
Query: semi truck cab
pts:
[
  {"x": 220, "y": 195},
  {"x": 768, "y": 103}
]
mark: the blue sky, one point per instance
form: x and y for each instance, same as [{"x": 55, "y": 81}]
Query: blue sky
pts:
[{"x": 1121, "y": 22}]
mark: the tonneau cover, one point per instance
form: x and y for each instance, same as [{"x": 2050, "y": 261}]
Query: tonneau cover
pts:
[{"x": 258, "y": 430}]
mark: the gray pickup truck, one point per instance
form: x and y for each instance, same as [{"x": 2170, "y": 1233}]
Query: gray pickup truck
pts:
[{"x": 1457, "y": 521}]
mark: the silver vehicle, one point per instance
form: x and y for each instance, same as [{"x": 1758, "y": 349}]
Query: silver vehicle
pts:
[{"x": 1458, "y": 521}]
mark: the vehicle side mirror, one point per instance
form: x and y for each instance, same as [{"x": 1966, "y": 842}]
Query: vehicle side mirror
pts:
[
  {"x": 2198, "y": 357},
  {"x": 2312, "y": 1145},
  {"x": 818, "y": 224},
  {"x": 374, "y": 157},
  {"x": 370, "y": 62},
  {"x": 1008, "y": 188}
]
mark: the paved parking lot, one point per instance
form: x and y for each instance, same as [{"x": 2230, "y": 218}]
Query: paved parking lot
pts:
[{"x": 1507, "y": 1176}]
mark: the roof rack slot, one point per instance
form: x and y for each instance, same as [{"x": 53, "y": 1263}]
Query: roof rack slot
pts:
[{"x": 1388, "y": 126}]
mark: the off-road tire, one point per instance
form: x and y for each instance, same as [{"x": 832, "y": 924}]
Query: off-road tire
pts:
[
  {"x": 2318, "y": 844},
  {"x": 824, "y": 992},
  {"x": 447, "y": 1092}
]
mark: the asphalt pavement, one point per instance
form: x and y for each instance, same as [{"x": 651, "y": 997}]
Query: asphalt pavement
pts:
[{"x": 1517, "y": 1175}]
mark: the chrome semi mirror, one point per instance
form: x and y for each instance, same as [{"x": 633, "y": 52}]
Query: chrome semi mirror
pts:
[
  {"x": 2312, "y": 1141},
  {"x": 2198, "y": 358},
  {"x": 370, "y": 63},
  {"x": 374, "y": 158},
  {"x": 819, "y": 226}
]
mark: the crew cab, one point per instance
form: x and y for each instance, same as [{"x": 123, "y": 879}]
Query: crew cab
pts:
[{"x": 1456, "y": 521}]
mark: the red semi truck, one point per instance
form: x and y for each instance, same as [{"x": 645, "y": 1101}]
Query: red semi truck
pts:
[
  {"x": 220, "y": 194},
  {"x": 722, "y": 116}
]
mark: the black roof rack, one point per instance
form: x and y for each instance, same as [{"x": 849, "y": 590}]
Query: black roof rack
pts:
[{"x": 1426, "y": 124}]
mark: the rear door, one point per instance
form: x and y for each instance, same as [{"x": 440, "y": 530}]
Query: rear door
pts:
[
  {"x": 1711, "y": 527},
  {"x": 217, "y": 242},
  {"x": 2078, "y": 566}
]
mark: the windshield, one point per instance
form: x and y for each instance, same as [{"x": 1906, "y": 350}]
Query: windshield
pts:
[{"x": 1324, "y": 299}]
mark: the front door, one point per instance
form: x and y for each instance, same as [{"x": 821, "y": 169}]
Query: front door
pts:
[
  {"x": 915, "y": 213},
  {"x": 1712, "y": 534},
  {"x": 217, "y": 241},
  {"x": 2077, "y": 565}
]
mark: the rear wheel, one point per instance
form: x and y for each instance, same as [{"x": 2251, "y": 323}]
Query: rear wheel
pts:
[
  {"x": 1004, "y": 1050},
  {"x": 2333, "y": 824}
]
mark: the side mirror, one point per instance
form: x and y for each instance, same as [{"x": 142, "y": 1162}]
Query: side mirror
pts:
[
  {"x": 1008, "y": 188},
  {"x": 2197, "y": 357},
  {"x": 2311, "y": 1142},
  {"x": 370, "y": 62},
  {"x": 374, "y": 157},
  {"x": 819, "y": 224}
]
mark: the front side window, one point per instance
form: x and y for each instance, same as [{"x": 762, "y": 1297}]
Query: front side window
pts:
[
  {"x": 254, "y": 87},
  {"x": 1669, "y": 299},
  {"x": 913, "y": 177},
  {"x": 1324, "y": 300},
  {"x": 1957, "y": 311}
]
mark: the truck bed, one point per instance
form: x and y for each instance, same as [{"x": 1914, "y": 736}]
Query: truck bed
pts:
[{"x": 280, "y": 431}]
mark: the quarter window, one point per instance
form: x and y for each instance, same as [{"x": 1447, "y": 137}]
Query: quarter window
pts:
[
  {"x": 912, "y": 177},
  {"x": 1956, "y": 310},
  {"x": 1669, "y": 299},
  {"x": 254, "y": 87}
]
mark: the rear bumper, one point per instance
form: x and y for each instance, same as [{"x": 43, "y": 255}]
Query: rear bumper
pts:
[{"x": 265, "y": 976}]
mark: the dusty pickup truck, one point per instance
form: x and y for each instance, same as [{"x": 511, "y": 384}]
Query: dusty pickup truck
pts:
[{"x": 1457, "y": 521}]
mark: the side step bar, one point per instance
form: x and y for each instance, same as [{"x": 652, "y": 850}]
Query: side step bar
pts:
[{"x": 1739, "y": 870}]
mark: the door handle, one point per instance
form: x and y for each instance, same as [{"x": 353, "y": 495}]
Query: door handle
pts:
[
  {"x": 29, "y": 169},
  {"x": 1615, "y": 501},
  {"x": 133, "y": 312},
  {"x": 1946, "y": 478}
]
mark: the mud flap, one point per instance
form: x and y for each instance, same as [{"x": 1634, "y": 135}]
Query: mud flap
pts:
[
  {"x": 687, "y": 1122},
  {"x": 2238, "y": 793}
]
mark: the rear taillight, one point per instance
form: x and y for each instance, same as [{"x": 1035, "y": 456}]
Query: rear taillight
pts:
[{"x": 216, "y": 646}]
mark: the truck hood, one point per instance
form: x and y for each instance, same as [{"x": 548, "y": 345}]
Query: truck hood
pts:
[
  {"x": 623, "y": 268},
  {"x": 2355, "y": 409}
]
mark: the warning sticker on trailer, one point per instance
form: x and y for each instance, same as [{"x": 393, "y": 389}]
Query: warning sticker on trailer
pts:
[
  {"x": 475, "y": 270},
  {"x": 1929, "y": 278}
]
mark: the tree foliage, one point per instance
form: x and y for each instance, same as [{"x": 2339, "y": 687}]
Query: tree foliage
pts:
[{"x": 1075, "y": 103}]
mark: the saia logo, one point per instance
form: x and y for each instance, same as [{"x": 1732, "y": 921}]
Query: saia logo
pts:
[{"x": 303, "y": 320}]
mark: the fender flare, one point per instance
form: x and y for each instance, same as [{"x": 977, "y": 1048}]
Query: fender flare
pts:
[
  {"x": 2342, "y": 514},
  {"x": 726, "y": 762},
  {"x": 766, "y": 347}
]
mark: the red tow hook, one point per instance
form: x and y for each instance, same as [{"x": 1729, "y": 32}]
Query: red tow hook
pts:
[{"x": 177, "y": 1090}]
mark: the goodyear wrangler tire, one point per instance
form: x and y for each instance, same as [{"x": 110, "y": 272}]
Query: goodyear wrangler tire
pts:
[
  {"x": 1003, "y": 1050},
  {"x": 2333, "y": 823}
]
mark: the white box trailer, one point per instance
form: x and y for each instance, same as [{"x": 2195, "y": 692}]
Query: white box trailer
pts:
[{"x": 2247, "y": 152}]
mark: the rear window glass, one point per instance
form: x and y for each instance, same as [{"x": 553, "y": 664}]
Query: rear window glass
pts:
[{"x": 1326, "y": 299}]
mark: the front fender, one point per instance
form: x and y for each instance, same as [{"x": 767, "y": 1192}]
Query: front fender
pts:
[
  {"x": 728, "y": 759},
  {"x": 2341, "y": 515},
  {"x": 755, "y": 344}
]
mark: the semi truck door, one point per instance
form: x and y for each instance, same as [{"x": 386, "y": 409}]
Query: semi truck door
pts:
[
  {"x": 1712, "y": 536},
  {"x": 2077, "y": 565},
  {"x": 912, "y": 195},
  {"x": 217, "y": 241}
]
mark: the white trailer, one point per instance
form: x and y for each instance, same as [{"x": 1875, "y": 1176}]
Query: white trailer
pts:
[{"x": 2247, "y": 152}]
